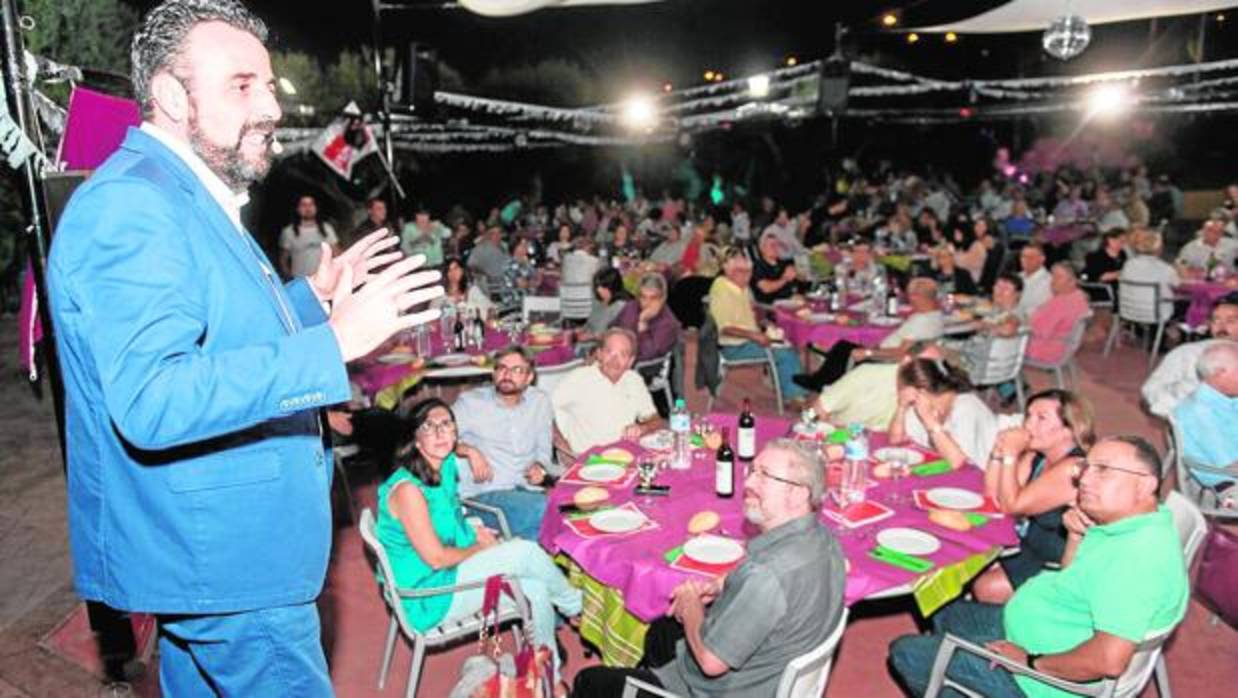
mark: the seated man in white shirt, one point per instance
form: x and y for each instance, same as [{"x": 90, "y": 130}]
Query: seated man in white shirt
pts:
[
  {"x": 1036, "y": 279},
  {"x": 1208, "y": 250},
  {"x": 605, "y": 401},
  {"x": 1175, "y": 377},
  {"x": 925, "y": 323}
]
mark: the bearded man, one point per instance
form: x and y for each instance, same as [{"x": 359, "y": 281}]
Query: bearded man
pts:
[{"x": 198, "y": 468}]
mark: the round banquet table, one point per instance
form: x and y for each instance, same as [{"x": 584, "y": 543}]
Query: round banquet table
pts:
[
  {"x": 1203, "y": 295},
  {"x": 628, "y": 580},
  {"x": 385, "y": 382},
  {"x": 801, "y": 332}
]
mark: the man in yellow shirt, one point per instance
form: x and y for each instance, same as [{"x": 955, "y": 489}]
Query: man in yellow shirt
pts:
[{"x": 739, "y": 335}]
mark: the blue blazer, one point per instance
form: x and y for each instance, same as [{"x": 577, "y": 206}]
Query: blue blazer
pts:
[{"x": 198, "y": 479}]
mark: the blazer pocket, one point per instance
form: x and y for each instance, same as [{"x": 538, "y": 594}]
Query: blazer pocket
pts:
[{"x": 233, "y": 470}]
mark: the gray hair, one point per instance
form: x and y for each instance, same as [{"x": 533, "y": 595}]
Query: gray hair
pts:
[
  {"x": 160, "y": 40},
  {"x": 805, "y": 460},
  {"x": 654, "y": 281},
  {"x": 1066, "y": 267},
  {"x": 1220, "y": 356},
  {"x": 619, "y": 332}
]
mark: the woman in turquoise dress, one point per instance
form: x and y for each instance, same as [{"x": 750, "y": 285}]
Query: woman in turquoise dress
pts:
[{"x": 431, "y": 545}]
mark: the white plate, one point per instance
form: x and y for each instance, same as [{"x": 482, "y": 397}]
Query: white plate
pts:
[
  {"x": 397, "y": 358},
  {"x": 617, "y": 520},
  {"x": 713, "y": 550},
  {"x": 661, "y": 440},
  {"x": 886, "y": 321},
  {"x": 910, "y": 455},
  {"x": 909, "y": 541},
  {"x": 789, "y": 303},
  {"x": 822, "y": 317},
  {"x": 456, "y": 359},
  {"x": 601, "y": 472},
  {"x": 462, "y": 371},
  {"x": 954, "y": 498}
]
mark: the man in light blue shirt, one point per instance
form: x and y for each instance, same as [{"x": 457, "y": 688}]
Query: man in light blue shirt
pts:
[
  {"x": 505, "y": 433},
  {"x": 1206, "y": 418}
]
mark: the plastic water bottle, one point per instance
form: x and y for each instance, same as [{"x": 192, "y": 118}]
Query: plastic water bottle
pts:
[
  {"x": 855, "y": 466},
  {"x": 681, "y": 427}
]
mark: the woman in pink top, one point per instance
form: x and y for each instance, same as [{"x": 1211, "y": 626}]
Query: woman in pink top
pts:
[{"x": 1052, "y": 322}]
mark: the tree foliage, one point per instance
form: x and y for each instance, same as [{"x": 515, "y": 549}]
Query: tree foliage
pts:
[
  {"x": 553, "y": 82},
  {"x": 87, "y": 33}
]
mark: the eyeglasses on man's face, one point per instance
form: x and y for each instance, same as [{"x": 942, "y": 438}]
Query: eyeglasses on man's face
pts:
[
  {"x": 1103, "y": 469},
  {"x": 762, "y": 472}
]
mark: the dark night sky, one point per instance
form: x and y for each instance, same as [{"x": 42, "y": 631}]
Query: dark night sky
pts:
[{"x": 645, "y": 45}]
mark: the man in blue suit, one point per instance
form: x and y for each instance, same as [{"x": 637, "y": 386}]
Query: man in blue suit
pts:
[{"x": 199, "y": 471}]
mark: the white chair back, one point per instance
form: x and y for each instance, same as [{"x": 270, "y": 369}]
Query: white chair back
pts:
[
  {"x": 1003, "y": 361},
  {"x": 1141, "y": 302},
  {"x": 575, "y": 300},
  {"x": 386, "y": 582},
  {"x": 549, "y": 305},
  {"x": 807, "y": 674}
]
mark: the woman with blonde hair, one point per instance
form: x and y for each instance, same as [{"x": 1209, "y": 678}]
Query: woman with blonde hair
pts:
[{"x": 1031, "y": 475}]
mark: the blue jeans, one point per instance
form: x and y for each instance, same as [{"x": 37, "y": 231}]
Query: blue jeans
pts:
[
  {"x": 542, "y": 583},
  {"x": 522, "y": 508},
  {"x": 786, "y": 362},
  {"x": 268, "y": 652},
  {"x": 911, "y": 656}
]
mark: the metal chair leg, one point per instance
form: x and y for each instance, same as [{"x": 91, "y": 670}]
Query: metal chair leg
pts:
[
  {"x": 1061, "y": 382},
  {"x": 1112, "y": 339},
  {"x": 1156, "y": 344},
  {"x": 1162, "y": 677},
  {"x": 414, "y": 671},
  {"x": 389, "y": 650},
  {"x": 1018, "y": 392},
  {"x": 773, "y": 374}
]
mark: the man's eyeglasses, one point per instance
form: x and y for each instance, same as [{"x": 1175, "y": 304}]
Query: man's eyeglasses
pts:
[
  {"x": 1083, "y": 466},
  {"x": 445, "y": 426},
  {"x": 766, "y": 474},
  {"x": 518, "y": 370}
]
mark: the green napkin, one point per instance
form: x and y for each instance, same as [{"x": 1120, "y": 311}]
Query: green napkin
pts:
[
  {"x": 977, "y": 520},
  {"x": 697, "y": 441},
  {"x": 935, "y": 467},
  {"x": 577, "y": 515},
  {"x": 839, "y": 436},
  {"x": 673, "y": 554},
  {"x": 910, "y": 563},
  {"x": 599, "y": 459}
]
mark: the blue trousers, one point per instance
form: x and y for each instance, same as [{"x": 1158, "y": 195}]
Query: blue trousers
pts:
[
  {"x": 911, "y": 656},
  {"x": 273, "y": 652},
  {"x": 522, "y": 508},
  {"x": 786, "y": 361}
]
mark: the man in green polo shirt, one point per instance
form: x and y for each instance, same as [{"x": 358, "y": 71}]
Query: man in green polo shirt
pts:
[{"x": 1123, "y": 579}]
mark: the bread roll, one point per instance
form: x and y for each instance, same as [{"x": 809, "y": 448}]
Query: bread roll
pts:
[
  {"x": 703, "y": 521},
  {"x": 591, "y": 496},
  {"x": 954, "y": 520}
]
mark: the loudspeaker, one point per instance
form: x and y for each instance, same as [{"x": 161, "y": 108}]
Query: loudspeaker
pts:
[
  {"x": 833, "y": 82},
  {"x": 418, "y": 80},
  {"x": 58, "y": 187}
]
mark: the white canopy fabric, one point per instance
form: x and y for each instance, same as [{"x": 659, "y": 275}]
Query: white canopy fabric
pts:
[
  {"x": 509, "y": 8},
  {"x": 1035, "y": 15}
]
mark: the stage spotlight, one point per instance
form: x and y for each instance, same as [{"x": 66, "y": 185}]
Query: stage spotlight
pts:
[
  {"x": 1108, "y": 100},
  {"x": 667, "y": 87},
  {"x": 639, "y": 113},
  {"x": 709, "y": 76},
  {"x": 913, "y": 38},
  {"x": 889, "y": 19},
  {"x": 951, "y": 37},
  {"x": 792, "y": 61},
  {"x": 758, "y": 86}
]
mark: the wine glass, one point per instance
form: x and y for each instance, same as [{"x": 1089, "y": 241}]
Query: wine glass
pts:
[
  {"x": 647, "y": 470},
  {"x": 899, "y": 465}
]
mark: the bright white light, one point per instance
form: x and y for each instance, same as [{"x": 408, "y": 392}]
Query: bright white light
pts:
[
  {"x": 1109, "y": 100},
  {"x": 639, "y": 113},
  {"x": 286, "y": 85},
  {"x": 758, "y": 86}
]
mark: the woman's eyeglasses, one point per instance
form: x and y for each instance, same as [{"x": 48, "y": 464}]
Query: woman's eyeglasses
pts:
[{"x": 445, "y": 426}]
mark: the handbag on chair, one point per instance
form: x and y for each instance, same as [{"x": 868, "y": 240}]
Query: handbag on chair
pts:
[
  {"x": 1217, "y": 582},
  {"x": 533, "y": 667}
]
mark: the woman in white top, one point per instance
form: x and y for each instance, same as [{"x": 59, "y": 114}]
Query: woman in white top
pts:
[
  {"x": 300, "y": 242},
  {"x": 458, "y": 289},
  {"x": 1146, "y": 266},
  {"x": 937, "y": 410}
]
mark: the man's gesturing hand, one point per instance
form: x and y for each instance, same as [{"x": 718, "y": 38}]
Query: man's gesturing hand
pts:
[
  {"x": 365, "y": 319},
  {"x": 371, "y": 252}
]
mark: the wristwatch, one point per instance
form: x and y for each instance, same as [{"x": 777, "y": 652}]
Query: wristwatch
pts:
[{"x": 1031, "y": 660}]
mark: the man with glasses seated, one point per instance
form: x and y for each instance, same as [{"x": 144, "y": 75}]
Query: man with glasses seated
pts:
[
  {"x": 735, "y": 635},
  {"x": 505, "y": 434},
  {"x": 1123, "y": 578}
]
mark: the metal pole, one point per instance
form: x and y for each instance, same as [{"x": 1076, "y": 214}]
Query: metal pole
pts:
[
  {"x": 35, "y": 205},
  {"x": 384, "y": 94}
]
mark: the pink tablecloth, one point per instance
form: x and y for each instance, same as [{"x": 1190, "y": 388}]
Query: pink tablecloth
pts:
[
  {"x": 373, "y": 376},
  {"x": 801, "y": 332},
  {"x": 1203, "y": 295},
  {"x": 634, "y": 564},
  {"x": 1062, "y": 234}
]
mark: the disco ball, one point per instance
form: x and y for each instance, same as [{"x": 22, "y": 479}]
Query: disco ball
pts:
[{"x": 1066, "y": 37}]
